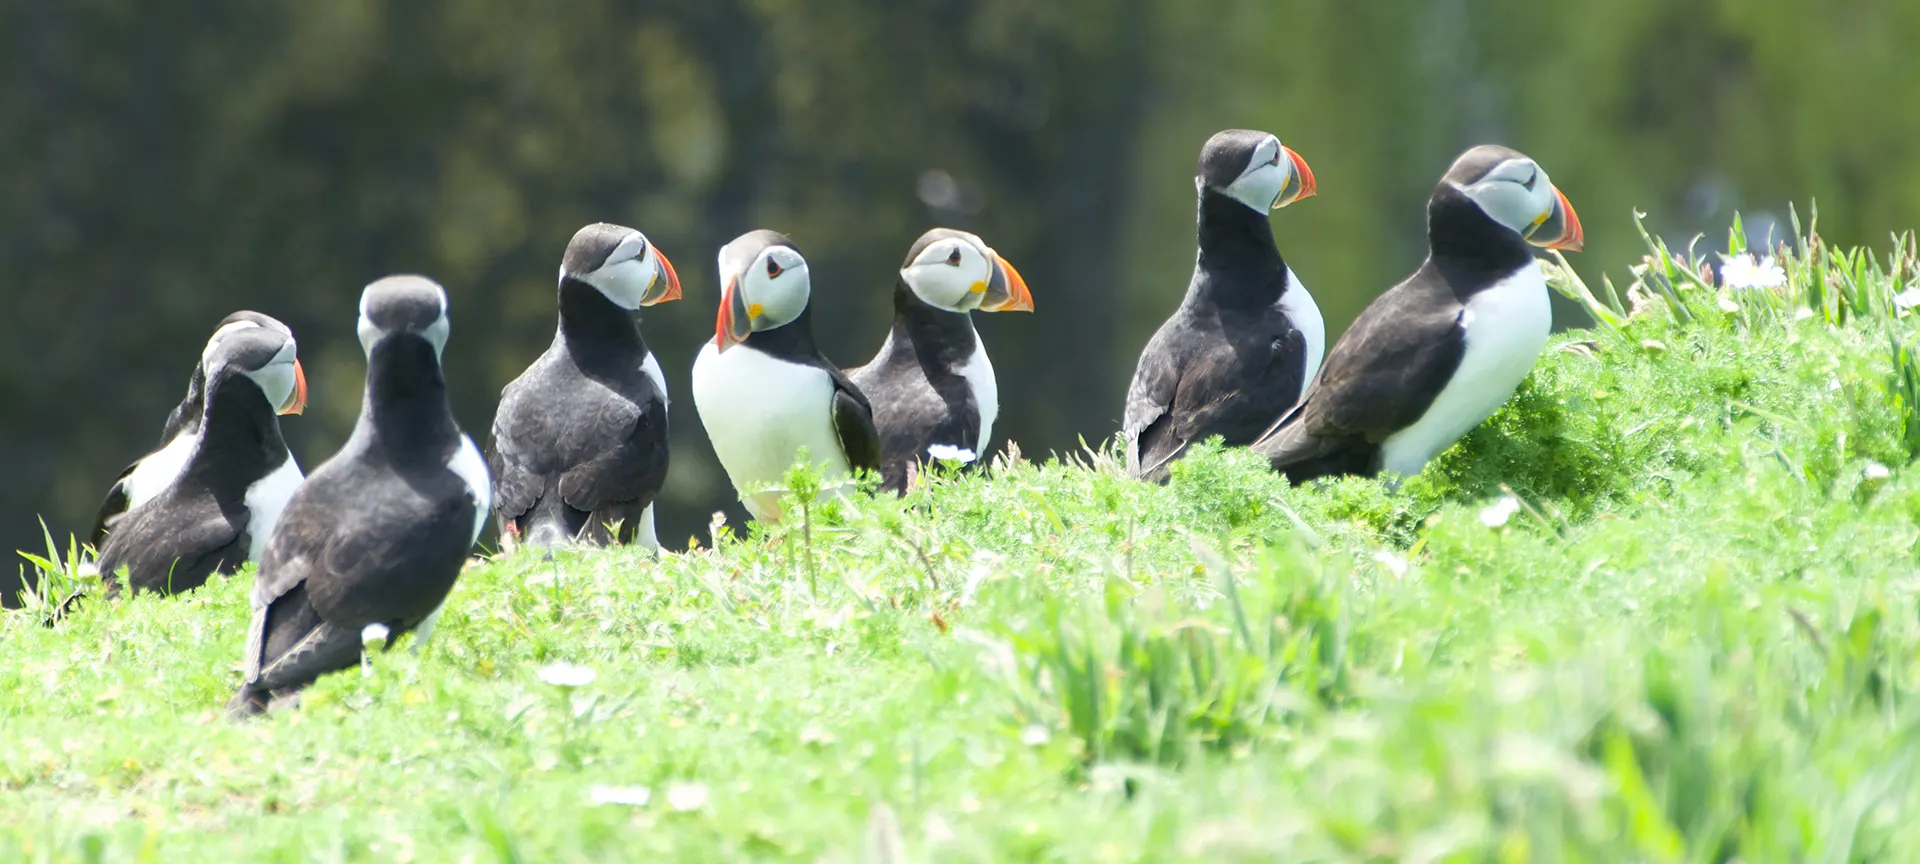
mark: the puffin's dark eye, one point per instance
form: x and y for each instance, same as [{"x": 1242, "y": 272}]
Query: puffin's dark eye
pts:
[
  {"x": 1533, "y": 180},
  {"x": 954, "y": 258},
  {"x": 773, "y": 268}
]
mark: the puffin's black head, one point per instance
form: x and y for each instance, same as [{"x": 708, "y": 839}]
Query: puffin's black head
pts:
[
  {"x": 263, "y": 354},
  {"x": 240, "y": 323},
  {"x": 400, "y": 305},
  {"x": 1514, "y": 191},
  {"x": 619, "y": 263},
  {"x": 1254, "y": 169},
  {"x": 957, "y": 271},
  {"x": 764, "y": 284}
]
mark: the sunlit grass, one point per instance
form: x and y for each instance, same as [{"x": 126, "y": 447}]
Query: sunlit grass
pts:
[{"x": 1662, "y": 607}]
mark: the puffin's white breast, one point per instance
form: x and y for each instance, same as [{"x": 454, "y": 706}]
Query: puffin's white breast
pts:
[
  {"x": 978, "y": 372},
  {"x": 1305, "y": 315},
  {"x": 159, "y": 469},
  {"x": 759, "y": 411},
  {"x": 266, "y": 500},
  {"x": 651, "y": 366},
  {"x": 472, "y": 470},
  {"x": 1505, "y": 327}
]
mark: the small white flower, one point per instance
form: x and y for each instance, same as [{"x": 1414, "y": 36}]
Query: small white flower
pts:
[
  {"x": 1907, "y": 299},
  {"x": 373, "y": 634},
  {"x": 950, "y": 453},
  {"x": 1742, "y": 271},
  {"x": 1876, "y": 472},
  {"x": 632, "y": 796},
  {"x": 687, "y": 796},
  {"x": 1035, "y": 735},
  {"x": 566, "y": 675},
  {"x": 1394, "y": 563},
  {"x": 1496, "y": 514}
]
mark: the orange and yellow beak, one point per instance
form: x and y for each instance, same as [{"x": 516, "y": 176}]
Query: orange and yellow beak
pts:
[
  {"x": 297, "y": 400},
  {"x": 736, "y": 320},
  {"x": 1560, "y": 228},
  {"x": 656, "y": 293},
  {"x": 1006, "y": 291},
  {"x": 1300, "y": 186}
]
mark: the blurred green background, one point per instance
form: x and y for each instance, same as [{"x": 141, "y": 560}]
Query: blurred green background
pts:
[{"x": 164, "y": 163}]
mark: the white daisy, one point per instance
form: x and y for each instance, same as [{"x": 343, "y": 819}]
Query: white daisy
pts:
[
  {"x": 1496, "y": 514},
  {"x": 1742, "y": 271},
  {"x": 565, "y": 675}
]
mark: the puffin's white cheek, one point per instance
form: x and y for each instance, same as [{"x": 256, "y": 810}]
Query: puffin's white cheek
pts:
[
  {"x": 1260, "y": 187},
  {"x": 951, "y": 287},
  {"x": 369, "y": 334},
  {"x": 624, "y": 283},
  {"x": 276, "y": 380}
]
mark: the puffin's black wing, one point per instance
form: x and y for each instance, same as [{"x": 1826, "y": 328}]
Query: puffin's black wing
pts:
[
  {"x": 853, "y": 422},
  {"x": 603, "y": 454},
  {"x": 112, "y": 509},
  {"x": 516, "y": 487},
  {"x": 626, "y": 475},
  {"x": 355, "y": 549},
  {"x": 172, "y": 544},
  {"x": 1156, "y": 379},
  {"x": 1232, "y": 382},
  {"x": 1379, "y": 378},
  {"x": 912, "y": 413}
]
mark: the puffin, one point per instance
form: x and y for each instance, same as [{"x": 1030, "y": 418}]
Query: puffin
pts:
[
  {"x": 763, "y": 389},
  {"x": 578, "y": 450},
  {"x": 1247, "y": 337},
  {"x": 228, "y": 491},
  {"x": 1438, "y": 353},
  {"x": 148, "y": 475},
  {"x": 931, "y": 383},
  {"x": 378, "y": 534}
]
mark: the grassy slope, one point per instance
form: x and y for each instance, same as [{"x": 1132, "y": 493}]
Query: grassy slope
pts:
[{"x": 1696, "y": 641}]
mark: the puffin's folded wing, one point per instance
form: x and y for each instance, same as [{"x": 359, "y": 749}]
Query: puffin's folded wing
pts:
[
  {"x": 853, "y": 423},
  {"x": 629, "y": 465}
]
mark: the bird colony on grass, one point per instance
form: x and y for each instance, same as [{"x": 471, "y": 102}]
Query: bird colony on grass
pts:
[{"x": 367, "y": 547}]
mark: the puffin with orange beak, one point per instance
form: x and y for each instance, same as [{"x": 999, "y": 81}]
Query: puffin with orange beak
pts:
[
  {"x": 149, "y": 475},
  {"x": 235, "y": 480},
  {"x": 763, "y": 389},
  {"x": 1247, "y": 337},
  {"x": 1437, "y": 354},
  {"x": 931, "y": 384},
  {"x": 579, "y": 445}
]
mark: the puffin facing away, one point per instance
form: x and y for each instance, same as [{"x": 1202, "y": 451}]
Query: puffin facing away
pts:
[
  {"x": 931, "y": 383},
  {"x": 378, "y": 533},
  {"x": 580, "y": 438},
  {"x": 764, "y": 391},
  {"x": 1247, "y": 336},
  {"x": 218, "y": 510},
  {"x": 154, "y": 472},
  {"x": 1438, "y": 353}
]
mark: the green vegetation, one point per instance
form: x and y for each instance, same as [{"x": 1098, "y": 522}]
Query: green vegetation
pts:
[{"x": 1661, "y": 608}]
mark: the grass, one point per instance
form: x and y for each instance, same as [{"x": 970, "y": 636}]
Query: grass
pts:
[{"x": 1665, "y": 606}]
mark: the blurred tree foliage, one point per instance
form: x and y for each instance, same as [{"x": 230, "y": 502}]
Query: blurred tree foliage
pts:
[{"x": 164, "y": 163}]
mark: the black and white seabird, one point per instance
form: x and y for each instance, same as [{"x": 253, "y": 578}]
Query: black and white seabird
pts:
[
  {"x": 764, "y": 391},
  {"x": 1247, "y": 337},
  {"x": 931, "y": 384},
  {"x": 225, "y": 497},
  {"x": 1438, "y": 353},
  {"x": 378, "y": 534},
  {"x": 580, "y": 438},
  {"x": 148, "y": 475}
]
